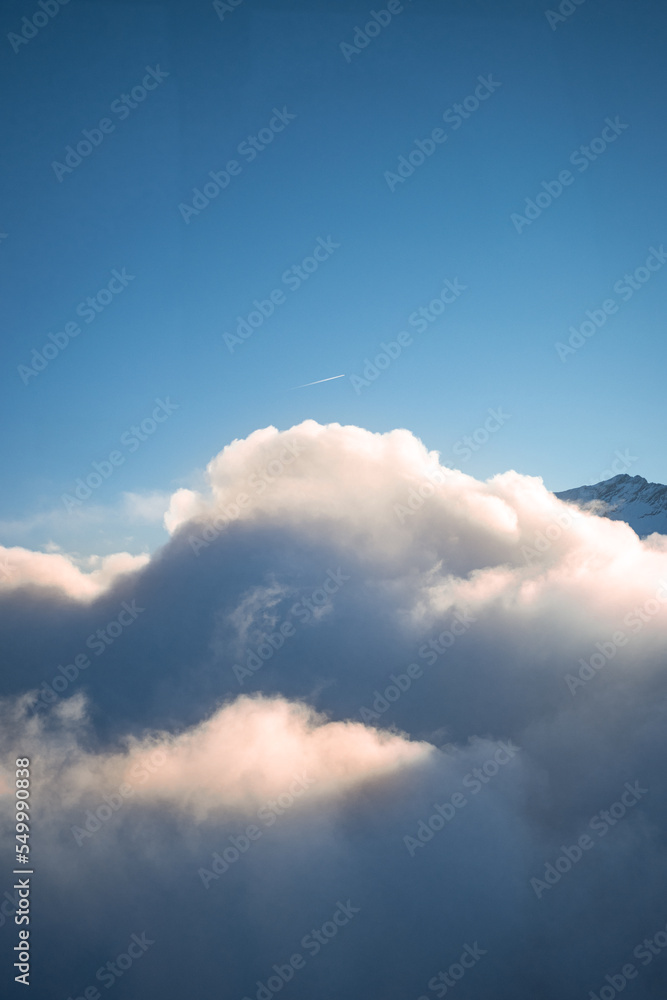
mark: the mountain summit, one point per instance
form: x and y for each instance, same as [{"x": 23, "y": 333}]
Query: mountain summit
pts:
[{"x": 632, "y": 499}]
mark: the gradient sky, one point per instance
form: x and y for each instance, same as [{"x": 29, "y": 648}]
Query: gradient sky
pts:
[{"x": 323, "y": 176}]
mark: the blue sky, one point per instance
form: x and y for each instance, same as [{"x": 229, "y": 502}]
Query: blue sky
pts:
[{"x": 323, "y": 177}]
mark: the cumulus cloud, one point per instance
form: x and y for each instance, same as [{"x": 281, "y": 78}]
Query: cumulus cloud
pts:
[
  {"x": 246, "y": 752},
  {"x": 80, "y": 578},
  {"x": 334, "y": 601}
]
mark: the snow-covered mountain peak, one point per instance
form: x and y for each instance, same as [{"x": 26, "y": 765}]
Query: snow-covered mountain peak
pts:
[{"x": 632, "y": 499}]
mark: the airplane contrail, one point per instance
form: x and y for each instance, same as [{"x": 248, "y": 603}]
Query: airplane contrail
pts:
[{"x": 317, "y": 381}]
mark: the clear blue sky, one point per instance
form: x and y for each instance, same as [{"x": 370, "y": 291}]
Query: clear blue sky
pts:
[{"x": 323, "y": 176}]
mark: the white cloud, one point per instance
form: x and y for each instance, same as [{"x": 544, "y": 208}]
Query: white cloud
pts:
[
  {"x": 247, "y": 751},
  {"x": 22, "y": 568},
  {"x": 544, "y": 586}
]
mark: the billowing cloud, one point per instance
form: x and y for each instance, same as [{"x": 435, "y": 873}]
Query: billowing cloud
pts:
[
  {"x": 336, "y": 603},
  {"x": 247, "y": 751},
  {"x": 82, "y": 579}
]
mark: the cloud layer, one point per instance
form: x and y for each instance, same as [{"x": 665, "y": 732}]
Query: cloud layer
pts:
[{"x": 332, "y": 604}]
